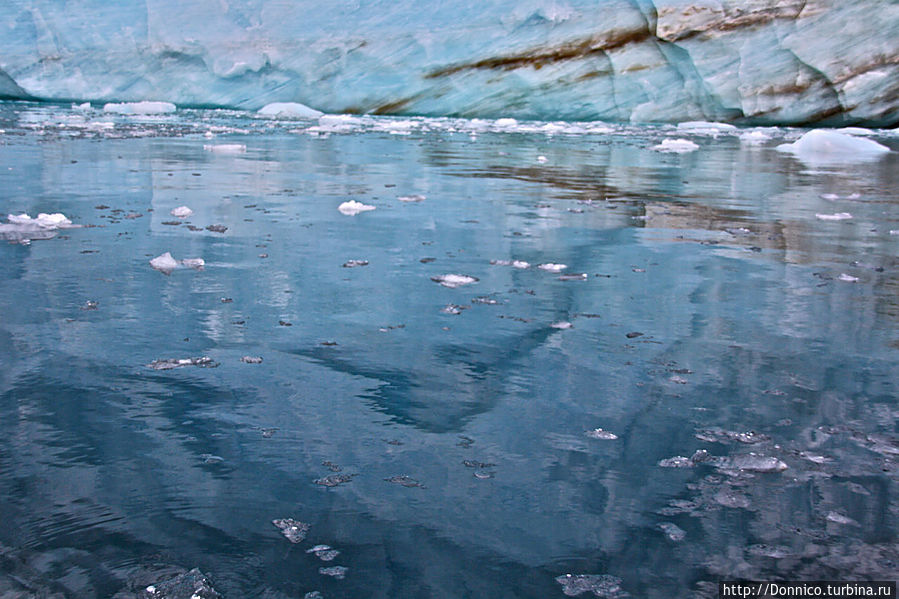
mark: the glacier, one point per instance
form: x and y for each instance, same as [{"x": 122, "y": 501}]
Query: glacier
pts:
[{"x": 779, "y": 62}]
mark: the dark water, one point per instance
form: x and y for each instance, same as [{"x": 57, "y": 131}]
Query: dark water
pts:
[{"x": 115, "y": 476}]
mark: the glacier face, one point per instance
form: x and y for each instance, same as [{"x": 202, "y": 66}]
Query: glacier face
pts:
[{"x": 760, "y": 61}]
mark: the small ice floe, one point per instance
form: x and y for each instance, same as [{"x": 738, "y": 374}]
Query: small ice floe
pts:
[
  {"x": 601, "y": 585},
  {"x": 313, "y": 595},
  {"x": 678, "y": 461},
  {"x": 561, "y": 325},
  {"x": 209, "y": 458},
  {"x": 673, "y": 531},
  {"x": 251, "y": 359},
  {"x": 513, "y": 263},
  {"x": 847, "y": 278},
  {"x": 505, "y": 123},
  {"x": 412, "y": 198},
  {"x": 354, "y": 263},
  {"x": 293, "y": 110},
  {"x": 405, "y": 481},
  {"x": 838, "y": 518},
  {"x": 541, "y": 159},
  {"x": 324, "y": 552},
  {"x": 718, "y": 435},
  {"x": 832, "y": 197},
  {"x": 181, "y": 212},
  {"x": 83, "y": 107},
  {"x": 894, "y": 231},
  {"x": 225, "y": 148},
  {"x": 353, "y": 208},
  {"x": 165, "y": 263},
  {"x": 139, "y": 107},
  {"x": 216, "y": 228},
  {"x": 23, "y": 229},
  {"x": 856, "y": 131},
  {"x": 338, "y": 572},
  {"x": 453, "y": 309},
  {"x": 90, "y": 305},
  {"x": 333, "y": 480},
  {"x": 486, "y": 301},
  {"x": 754, "y": 137},
  {"x": 170, "y": 363},
  {"x": 837, "y": 216},
  {"x": 733, "y": 499},
  {"x": 294, "y": 530},
  {"x": 192, "y": 584},
  {"x": 773, "y": 551},
  {"x": 820, "y": 146},
  {"x": 678, "y": 146},
  {"x": 573, "y": 276},
  {"x": 552, "y": 267},
  {"x": 706, "y": 127},
  {"x": 195, "y": 263},
  {"x": 454, "y": 280},
  {"x": 749, "y": 462},
  {"x": 599, "y": 433}
]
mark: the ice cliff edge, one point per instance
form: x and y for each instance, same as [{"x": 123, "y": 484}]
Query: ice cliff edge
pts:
[{"x": 761, "y": 61}]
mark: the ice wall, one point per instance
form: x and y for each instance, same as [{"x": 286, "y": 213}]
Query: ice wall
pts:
[{"x": 777, "y": 61}]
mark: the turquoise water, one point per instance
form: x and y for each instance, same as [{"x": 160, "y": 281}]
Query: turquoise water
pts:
[{"x": 716, "y": 301}]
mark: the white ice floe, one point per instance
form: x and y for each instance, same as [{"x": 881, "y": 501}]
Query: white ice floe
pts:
[
  {"x": 541, "y": 159},
  {"x": 562, "y": 325},
  {"x": 754, "y": 137},
  {"x": 706, "y": 127},
  {"x": 848, "y": 278},
  {"x": 412, "y": 198},
  {"x": 454, "y": 280},
  {"x": 226, "y": 148},
  {"x": 856, "y": 131},
  {"x": 290, "y": 110},
  {"x": 679, "y": 146},
  {"x": 837, "y": 216},
  {"x": 599, "y": 433},
  {"x": 353, "y": 208},
  {"x": 139, "y": 107},
  {"x": 82, "y": 107},
  {"x": 820, "y": 146},
  {"x": 165, "y": 263},
  {"x": 22, "y": 228},
  {"x": 552, "y": 267},
  {"x": 181, "y": 212},
  {"x": 513, "y": 263},
  {"x": 505, "y": 123}
]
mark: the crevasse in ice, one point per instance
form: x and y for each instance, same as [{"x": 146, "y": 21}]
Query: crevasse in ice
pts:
[{"x": 765, "y": 61}]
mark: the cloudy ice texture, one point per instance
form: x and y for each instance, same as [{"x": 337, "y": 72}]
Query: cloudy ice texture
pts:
[
  {"x": 353, "y": 208},
  {"x": 821, "y": 146},
  {"x": 679, "y": 146},
  {"x": 166, "y": 263},
  {"x": 22, "y": 228},
  {"x": 293, "y": 110},
  {"x": 181, "y": 212}
]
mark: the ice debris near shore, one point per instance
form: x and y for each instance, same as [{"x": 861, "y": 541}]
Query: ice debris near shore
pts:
[
  {"x": 146, "y": 107},
  {"x": 821, "y": 146},
  {"x": 601, "y": 585},
  {"x": 293, "y": 110},
  {"x": 353, "y": 208},
  {"x": 165, "y": 263}
]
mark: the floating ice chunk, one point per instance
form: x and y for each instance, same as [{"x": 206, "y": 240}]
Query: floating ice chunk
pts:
[
  {"x": 676, "y": 462},
  {"x": 412, "y": 198},
  {"x": 718, "y": 435},
  {"x": 454, "y": 280},
  {"x": 894, "y": 231},
  {"x": 197, "y": 263},
  {"x": 139, "y": 107},
  {"x": 251, "y": 359},
  {"x": 513, "y": 263},
  {"x": 82, "y": 107},
  {"x": 294, "y": 530},
  {"x": 598, "y": 433},
  {"x": 541, "y": 159},
  {"x": 290, "y": 110},
  {"x": 730, "y": 498},
  {"x": 673, "y": 531},
  {"x": 847, "y": 278},
  {"x": 354, "y": 263},
  {"x": 551, "y": 267},
  {"x": 505, "y": 123},
  {"x": 324, "y": 552},
  {"x": 837, "y": 216},
  {"x": 856, "y": 131},
  {"x": 193, "y": 584},
  {"x": 749, "y": 462},
  {"x": 706, "y": 127},
  {"x": 57, "y": 220},
  {"x": 216, "y": 228},
  {"x": 171, "y": 363},
  {"x": 823, "y": 146},
  {"x": 839, "y": 518},
  {"x": 601, "y": 585},
  {"x": 754, "y": 137},
  {"x": 338, "y": 572},
  {"x": 333, "y": 480},
  {"x": 353, "y": 208},
  {"x": 679, "y": 146},
  {"x": 226, "y": 148},
  {"x": 406, "y": 481},
  {"x": 561, "y": 325},
  {"x": 164, "y": 263},
  {"x": 573, "y": 276},
  {"x": 181, "y": 212}
]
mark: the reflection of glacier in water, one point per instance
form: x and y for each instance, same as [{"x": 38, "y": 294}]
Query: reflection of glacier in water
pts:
[{"x": 514, "y": 447}]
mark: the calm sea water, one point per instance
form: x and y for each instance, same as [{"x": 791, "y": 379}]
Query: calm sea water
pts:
[{"x": 722, "y": 308}]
